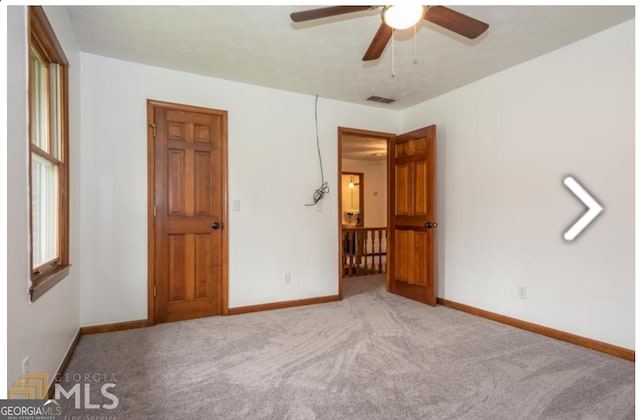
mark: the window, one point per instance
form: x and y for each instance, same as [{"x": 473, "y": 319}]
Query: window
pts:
[{"x": 48, "y": 155}]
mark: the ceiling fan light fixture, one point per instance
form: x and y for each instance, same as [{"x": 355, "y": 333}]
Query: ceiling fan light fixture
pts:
[{"x": 403, "y": 16}]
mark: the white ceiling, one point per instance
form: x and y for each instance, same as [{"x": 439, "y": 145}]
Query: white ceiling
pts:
[
  {"x": 260, "y": 45},
  {"x": 364, "y": 148}
]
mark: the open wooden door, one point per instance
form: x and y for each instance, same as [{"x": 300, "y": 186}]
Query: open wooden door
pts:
[{"x": 412, "y": 219}]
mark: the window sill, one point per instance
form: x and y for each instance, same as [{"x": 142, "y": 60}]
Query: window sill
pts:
[{"x": 45, "y": 282}]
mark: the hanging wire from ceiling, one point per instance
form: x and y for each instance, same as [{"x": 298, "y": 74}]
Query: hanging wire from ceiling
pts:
[{"x": 324, "y": 186}]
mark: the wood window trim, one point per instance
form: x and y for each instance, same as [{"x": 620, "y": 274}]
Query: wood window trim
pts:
[
  {"x": 46, "y": 281},
  {"x": 41, "y": 34},
  {"x": 43, "y": 40}
]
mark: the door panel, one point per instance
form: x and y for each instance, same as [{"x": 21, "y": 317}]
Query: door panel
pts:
[
  {"x": 176, "y": 179},
  {"x": 189, "y": 194},
  {"x": 402, "y": 255},
  {"x": 412, "y": 272},
  {"x": 177, "y": 263},
  {"x": 204, "y": 266},
  {"x": 202, "y": 185},
  {"x": 420, "y": 243},
  {"x": 203, "y": 134},
  {"x": 421, "y": 188},
  {"x": 404, "y": 177}
]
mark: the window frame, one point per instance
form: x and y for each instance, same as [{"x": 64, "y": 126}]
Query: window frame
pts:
[{"x": 43, "y": 40}]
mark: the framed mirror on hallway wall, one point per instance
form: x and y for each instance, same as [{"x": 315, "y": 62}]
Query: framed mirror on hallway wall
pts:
[{"x": 352, "y": 199}]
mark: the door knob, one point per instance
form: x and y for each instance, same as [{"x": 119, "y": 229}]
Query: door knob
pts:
[
  {"x": 216, "y": 225},
  {"x": 430, "y": 225}
]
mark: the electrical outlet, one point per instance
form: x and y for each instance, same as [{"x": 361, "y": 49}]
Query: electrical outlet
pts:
[
  {"x": 236, "y": 205},
  {"x": 25, "y": 366},
  {"x": 287, "y": 278},
  {"x": 522, "y": 292},
  {"x": 319, "y": 206}
]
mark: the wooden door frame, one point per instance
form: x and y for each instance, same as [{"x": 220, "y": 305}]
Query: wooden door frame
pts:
[
  {"x": 344, "y": 131},
  {"x": 151, "y": 236}
]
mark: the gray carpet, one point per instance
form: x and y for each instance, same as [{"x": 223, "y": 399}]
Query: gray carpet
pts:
[{"x": 371, "y": 356}]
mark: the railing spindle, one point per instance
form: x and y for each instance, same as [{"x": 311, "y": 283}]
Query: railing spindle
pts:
[{"x": 360, "y": 247}]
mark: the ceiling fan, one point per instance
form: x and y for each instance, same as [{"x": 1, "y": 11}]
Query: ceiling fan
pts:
[{"x": 401, "y": 17}]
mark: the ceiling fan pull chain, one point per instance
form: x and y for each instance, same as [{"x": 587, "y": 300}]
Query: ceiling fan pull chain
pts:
[
  {"x": 393, "y": 53},
  {"x": 415, "y": 47}
]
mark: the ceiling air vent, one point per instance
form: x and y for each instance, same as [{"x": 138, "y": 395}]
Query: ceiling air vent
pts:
[{"x": 380, "y": 99}]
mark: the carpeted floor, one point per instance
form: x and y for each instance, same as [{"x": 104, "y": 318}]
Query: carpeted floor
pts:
[{"x": 373, "y": 355}]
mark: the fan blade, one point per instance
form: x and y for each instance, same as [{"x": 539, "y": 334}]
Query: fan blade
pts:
[
  {"x": 455, "y": 21},
  {"x": 325, "y": 12},
  {"x": 378, "y": 43}
]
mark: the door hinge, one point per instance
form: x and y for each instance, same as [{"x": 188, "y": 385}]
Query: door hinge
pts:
[
  {"x": 155, "y": 291},
  {"x": 154, "y": 128},
  {"x": 154, "y": 211}
]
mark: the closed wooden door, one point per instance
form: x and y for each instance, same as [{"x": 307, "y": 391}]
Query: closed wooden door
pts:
[
  {"x": 190, "y": 211},
  {"x": 412, "y": 233}
]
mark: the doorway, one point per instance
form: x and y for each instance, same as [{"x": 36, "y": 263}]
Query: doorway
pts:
[
  {"x": 187, "y": 247},
  {"x": 408, "y": 256},
  {"x": 362, "y": 168}
]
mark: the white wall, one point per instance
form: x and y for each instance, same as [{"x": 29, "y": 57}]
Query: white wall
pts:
[
  {"x": 273, "y": 171},
  {"x": 375, "y": 189},
  {"x": 504, "y": 145},
  {"x": 44, "y": 329}
]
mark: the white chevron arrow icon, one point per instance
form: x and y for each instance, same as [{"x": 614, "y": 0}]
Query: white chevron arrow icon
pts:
[{"x": 594, "y": 208}]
